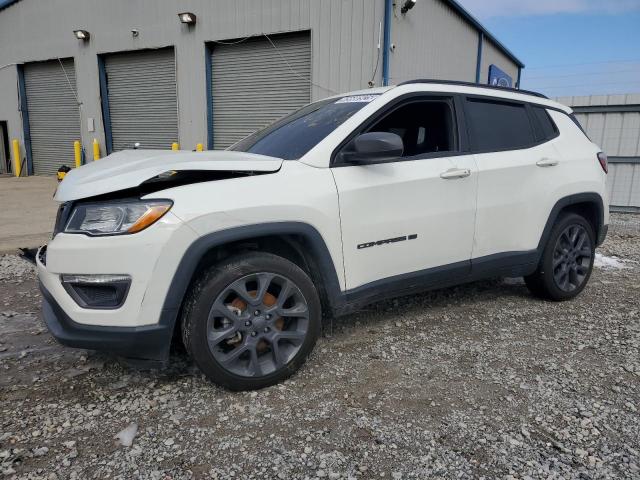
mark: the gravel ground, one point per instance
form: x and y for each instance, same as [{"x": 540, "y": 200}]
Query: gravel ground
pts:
[{"x": 478, "y": 381}]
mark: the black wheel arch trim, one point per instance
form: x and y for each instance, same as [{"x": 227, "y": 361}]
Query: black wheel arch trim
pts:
[
  {"x": 198, "y": 249},
  {"x": 568, "y": 201}
]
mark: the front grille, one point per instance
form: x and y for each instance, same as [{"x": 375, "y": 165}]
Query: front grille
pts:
[{"x": 61, "y": 218}]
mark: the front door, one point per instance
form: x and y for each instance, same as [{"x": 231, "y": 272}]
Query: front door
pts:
[{"x": 413, "y": 216}]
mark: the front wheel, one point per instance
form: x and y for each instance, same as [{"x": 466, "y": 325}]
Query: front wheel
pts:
[
  {"x": 251, "y": 321},
  {"x": 567, "y": 260}
]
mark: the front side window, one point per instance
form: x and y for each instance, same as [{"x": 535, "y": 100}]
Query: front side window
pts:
[
  {"x": 425, "y": 126},
  {"x": 294, "y": 135},
  {"x": 495, "y": 125}
]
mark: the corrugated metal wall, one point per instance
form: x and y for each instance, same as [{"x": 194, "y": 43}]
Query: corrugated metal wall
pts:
[
  {"x": 623, "y": 185},
  {"x": 433, "y": 41},
  {"x": 256, "y": 82},
  {"x": 54, "y": 119},
  {"x": 344, "y": 36},
  {"x": 613, "y": 123}
]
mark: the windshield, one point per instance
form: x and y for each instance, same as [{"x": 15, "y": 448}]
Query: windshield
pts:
[{"x": 294, "y": 135}]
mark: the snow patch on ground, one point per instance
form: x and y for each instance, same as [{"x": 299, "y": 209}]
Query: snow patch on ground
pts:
[
  {"x": 602, "y": 261},
  {"x": 126, "y": 436}
]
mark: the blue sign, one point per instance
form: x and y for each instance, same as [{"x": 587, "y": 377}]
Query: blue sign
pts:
[{"x": 499, "y": 78}]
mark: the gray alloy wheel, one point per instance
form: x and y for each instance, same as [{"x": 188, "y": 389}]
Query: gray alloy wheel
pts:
[
  {"x": 571, "y": 258},
  {"x": 257, "y": 324},
  {"x": 251, "y": 320},
  {"x": 567, "y": 259}
]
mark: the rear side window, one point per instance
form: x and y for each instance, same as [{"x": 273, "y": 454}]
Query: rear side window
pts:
[
  {"x": 546, "y": 128},
  {"x": 495, "y": 125}
]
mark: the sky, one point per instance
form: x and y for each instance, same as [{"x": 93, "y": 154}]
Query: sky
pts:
[{"x": 569, "y": 47}]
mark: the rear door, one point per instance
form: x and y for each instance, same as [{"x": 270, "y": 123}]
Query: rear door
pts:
[
  {"x": 411, "y": 218},
  {"x": 518, "y": 175}
]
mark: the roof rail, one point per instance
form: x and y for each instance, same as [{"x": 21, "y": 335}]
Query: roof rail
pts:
[{"x": 472, "y": 84}]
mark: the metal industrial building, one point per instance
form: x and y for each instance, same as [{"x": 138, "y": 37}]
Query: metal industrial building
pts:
[
  {"x": 142, "y": 75},
  {"x": 613, "y": 122}
]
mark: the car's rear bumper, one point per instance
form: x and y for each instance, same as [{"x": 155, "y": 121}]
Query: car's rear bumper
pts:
[{"x": 148, "y": 343}]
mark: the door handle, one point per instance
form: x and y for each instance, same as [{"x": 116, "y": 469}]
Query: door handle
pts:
[
  {"x": 454, "y": 173},
  {"x": 547, "y": 162}
]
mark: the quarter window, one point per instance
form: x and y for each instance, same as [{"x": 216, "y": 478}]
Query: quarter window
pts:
[
  {"x": 547, "y": 128},
  {"x": 496, "y": 126}
]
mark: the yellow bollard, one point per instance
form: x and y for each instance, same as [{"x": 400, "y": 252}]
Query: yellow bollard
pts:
[
  {"x": 77, "y": 153},
  {"x": 96, "y": 149},
  {"x": 199, "y": 147},
  {"x": 175, "y": 146},
  {"x": 16, "y": 158}
]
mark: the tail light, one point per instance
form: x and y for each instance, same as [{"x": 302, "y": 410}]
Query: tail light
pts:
[{"x": 602, "y": 158}]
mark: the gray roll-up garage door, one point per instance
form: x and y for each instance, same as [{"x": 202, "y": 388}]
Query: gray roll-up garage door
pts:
[
  {"x": 253, "y": 84},
  {"x": 54, "y": 117},
  {"x": 143, "y": 104}
]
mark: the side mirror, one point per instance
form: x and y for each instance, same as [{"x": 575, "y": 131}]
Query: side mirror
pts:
[{"x": 373, "y": 147}]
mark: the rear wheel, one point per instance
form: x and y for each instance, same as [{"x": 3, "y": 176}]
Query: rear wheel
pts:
[
  {"x": 251, "y": 321},
  {"x": 567, "y": 260}
]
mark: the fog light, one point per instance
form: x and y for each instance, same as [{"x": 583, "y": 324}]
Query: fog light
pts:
[{"x": 97, "y": 291}]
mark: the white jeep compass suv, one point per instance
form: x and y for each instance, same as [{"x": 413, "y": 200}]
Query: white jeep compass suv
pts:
[{"x": 240, "y": 254}]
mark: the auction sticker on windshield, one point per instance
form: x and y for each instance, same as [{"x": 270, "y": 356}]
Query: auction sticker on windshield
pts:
[{"x": 358, "y": 99}]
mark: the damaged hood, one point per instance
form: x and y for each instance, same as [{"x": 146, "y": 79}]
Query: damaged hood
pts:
[{"x": 131, "y": 168}]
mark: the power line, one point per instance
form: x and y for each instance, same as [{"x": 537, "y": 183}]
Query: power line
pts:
[
  {"x": 584, "y": 74},
  {"x": 257, "y": 35},
  {"x": 581, "y": 64},
  {"x": 294, "y": 71},
  {"x": 236, "y": 42},
  {"x": 596, "y": 84},
  {"x": 7, "y": 65}
]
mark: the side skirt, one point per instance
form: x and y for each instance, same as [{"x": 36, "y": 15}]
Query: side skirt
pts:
[{"x": 510, "y": 264}]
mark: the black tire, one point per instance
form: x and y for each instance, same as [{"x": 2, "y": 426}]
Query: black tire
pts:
[
  {"x": 200, "y": 316},
  {"x": 557, "y": 277}
]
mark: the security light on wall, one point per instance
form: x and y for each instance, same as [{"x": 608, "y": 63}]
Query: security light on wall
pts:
[
  {"x": 408, "y": 5},
  {"x": 188, "y": 18},
  {"x": 82, "y": 35}
]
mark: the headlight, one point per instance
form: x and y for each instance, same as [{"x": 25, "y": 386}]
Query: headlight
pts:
[{"x": 116, "y": 218}]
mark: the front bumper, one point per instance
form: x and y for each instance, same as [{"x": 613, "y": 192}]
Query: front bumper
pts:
[
  {"x": 150, "y": 342},
  {"x": 141, "y": 327}
]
